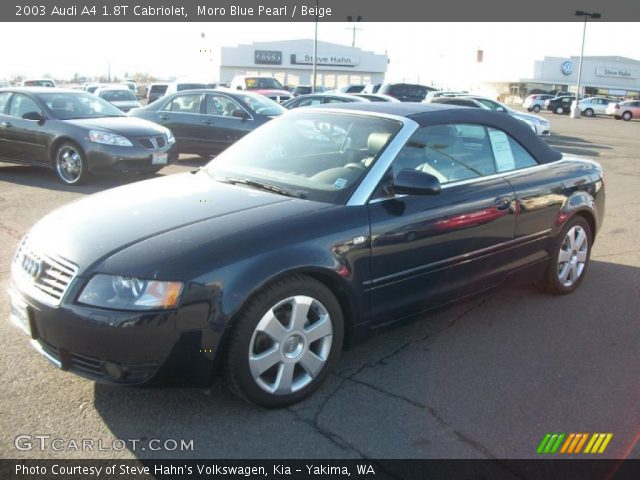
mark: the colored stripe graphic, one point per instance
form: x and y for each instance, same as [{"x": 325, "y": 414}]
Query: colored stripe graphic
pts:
[
  {"x": 573, "y": 443},
  {"x": 550, "y": 443}
]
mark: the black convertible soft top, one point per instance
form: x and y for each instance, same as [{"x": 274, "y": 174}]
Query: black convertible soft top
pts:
[{"x": 427, "y": 114}]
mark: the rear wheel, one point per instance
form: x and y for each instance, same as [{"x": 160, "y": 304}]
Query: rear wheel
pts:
[
  {"x": 570, "y": 259},
  {"x": 285, "y": 342},
  {"x": 70, "y": 164},
  {"x": 626, "y": 116},
  {"x": 536, "y": 108},
  {"x": 559, "y": 110},
  {"x": 588, "y": 112}
]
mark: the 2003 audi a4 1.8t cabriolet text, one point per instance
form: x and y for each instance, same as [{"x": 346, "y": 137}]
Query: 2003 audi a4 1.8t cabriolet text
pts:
[{"x": 307, "y": 235}]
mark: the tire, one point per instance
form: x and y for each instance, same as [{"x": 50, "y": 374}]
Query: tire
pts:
[
  {"x": 536, "y": 108},
  {"x": 274, "y": 361},
  {"x": 617, "y": 117},
  {"x": 559, "y": 110},
  {"x": 588, "y": 112},
  {"x": 626, "y": 116},
  {"x": 569, "y": 261},
  {"x": 70, "y": 164}
]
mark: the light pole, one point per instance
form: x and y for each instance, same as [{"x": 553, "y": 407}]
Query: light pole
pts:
[
  {"x": 314, "y": 72},
  {"x": 575, "y": 109}
]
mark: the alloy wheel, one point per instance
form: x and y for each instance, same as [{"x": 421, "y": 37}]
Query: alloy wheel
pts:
[
  {"x": 572, "y": 257},
  {"x": 69, "y": 164},
  {"x": 290, "y": 345}
]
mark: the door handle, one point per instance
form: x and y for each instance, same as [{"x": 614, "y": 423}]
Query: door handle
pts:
[
  {"x": 208, "y": 122},
  {"x": 5, "y": 125},
  {"x": 163, "y": 117},
  {"x": 502, "y": 203}
]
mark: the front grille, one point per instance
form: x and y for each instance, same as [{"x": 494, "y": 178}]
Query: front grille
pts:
[
  {"x": 44, "y": 276},
  {"x": 153, "y": 143}
]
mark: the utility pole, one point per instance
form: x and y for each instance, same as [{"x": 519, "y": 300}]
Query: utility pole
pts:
[
  {"x": 575, "y": 109},
  {"x": 315, "y": 54},
  {"x": 353, "y": 39}
]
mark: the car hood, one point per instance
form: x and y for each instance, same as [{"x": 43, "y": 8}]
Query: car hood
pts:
[
  {"x": 267, "y": 91},
  {"x": 92, "y": 229},
  {"x": 127, "y": 126},
  {"x": 531, "y": 118}
]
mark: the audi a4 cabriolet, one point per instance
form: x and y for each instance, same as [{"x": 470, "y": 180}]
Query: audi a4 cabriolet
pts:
[{"x": 306, "y": 236}]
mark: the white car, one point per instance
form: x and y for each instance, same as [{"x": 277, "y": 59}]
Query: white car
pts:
[
  {"x": 540, "y": 125},
  {"x": 535, "y": 103},
  {"x": 442, "y": 93},
  {"x": 592, "y": 106},
  {"x": 118, "y": 95}
]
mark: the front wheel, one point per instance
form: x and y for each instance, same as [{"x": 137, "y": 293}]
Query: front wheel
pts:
[
  {"x": 570, "y": 258},
  {"x": 626, "y": 116},
  {"x": 559, "y": 110},
  {"x": 536, "y": 108},
  {"x": 285, "y": 342},
  {"x": 70, "y": 164},
  {"x": 588, "y": 112}
]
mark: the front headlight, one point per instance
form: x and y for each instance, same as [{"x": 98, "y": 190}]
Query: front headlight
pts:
[
  {"x": 170, "y": 138},
  {"x": 109, "y": 138},
  {"x": 129, "y": 293}
]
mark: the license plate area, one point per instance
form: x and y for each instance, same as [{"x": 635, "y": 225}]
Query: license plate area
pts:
[
  {"x": 159, "y": 159},
  {"x": 19, "y": 314}
]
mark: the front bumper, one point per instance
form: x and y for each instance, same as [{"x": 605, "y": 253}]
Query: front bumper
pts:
[
  {"x": 117, "y": 347},
  {"x": 111, "y": 158}
]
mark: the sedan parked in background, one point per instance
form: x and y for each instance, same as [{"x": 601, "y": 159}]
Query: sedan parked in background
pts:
[
  {"x": 156, "y": 91},
  {"x": 592, "y": 106},
  {"x": 119, "y": 96},
  {"x": 624, "y": 110},
  {"x": 322, "y": 98},
  {"x": 41, "y": 82},
  {"x": 305, "y": 90},
  {"x": 405, "y": 92},
  {"x": 560, "y": 105},
  {"x": 317, "y": 230},
  {"x": 206, "y": 122},
  {"x": 76, "y": 133},
  {"x": 535, "y": 103}
]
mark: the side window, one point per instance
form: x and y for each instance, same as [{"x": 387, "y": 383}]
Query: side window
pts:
[
  {"x": 21, "y": 105},
  {"x": 448, "y": 152},
  {"x": 4, "y": 98},
  {"x": 189, "y": 103},
  {"x": 509, "y": 154},
  {"x": 305, "y": 102},
  {"x": 220, "y": 105}
]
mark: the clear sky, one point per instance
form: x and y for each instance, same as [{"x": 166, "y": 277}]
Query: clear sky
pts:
[{"x": 425, "y": 52}]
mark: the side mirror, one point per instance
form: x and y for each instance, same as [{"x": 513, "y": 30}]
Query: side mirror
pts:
[
  {"x": 240, "y": 114},
  {"x": 500, "y": 109},
  {"x": 33, "y": 116},
  {"x": 239, "y": 87},
  {"x": 415, "y": 182}
]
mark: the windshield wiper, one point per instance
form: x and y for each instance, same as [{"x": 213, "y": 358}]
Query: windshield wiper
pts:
[{"x": 269, "y": 187}]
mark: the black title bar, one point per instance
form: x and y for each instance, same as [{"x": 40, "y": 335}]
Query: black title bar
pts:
[{"x": 310, "y": 10}]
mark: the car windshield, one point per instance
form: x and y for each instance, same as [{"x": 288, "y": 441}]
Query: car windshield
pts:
[
  {"x": 117, "y": 95},
  {"x": 66, "y": 105},
  {"x": 38, "y": 83},
  {"x": 262, "y": 105},
  {"x": 417, "y": 92},
  {"x": 158, "y": 88},
  {"x": 319, "y": 156},
  {"x": 258, "y": 83}
]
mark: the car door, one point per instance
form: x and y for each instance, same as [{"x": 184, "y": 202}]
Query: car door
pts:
[
  {"x": 222, "y": 124},
  {"x": 182, "y": 115},
  {"x": 26, "y": 140},
  {"x": 5, "y": 122},
  {"x": 428, "y": 250}
]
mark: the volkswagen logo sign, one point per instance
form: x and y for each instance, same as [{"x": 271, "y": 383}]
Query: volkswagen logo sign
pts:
[
  {"x": 567, "y": 67},
  {"x": 31, "y": 266}
]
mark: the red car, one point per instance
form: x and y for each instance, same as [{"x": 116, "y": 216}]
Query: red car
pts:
[
  {"x": 624, "y": 110},
  {"x": 267, "y": 86}
]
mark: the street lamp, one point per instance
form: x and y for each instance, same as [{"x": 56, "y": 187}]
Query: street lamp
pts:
[{"x": 575, "y": 110}]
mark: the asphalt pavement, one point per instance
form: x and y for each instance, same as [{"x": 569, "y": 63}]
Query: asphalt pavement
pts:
[{"x": 486, "y": 378}]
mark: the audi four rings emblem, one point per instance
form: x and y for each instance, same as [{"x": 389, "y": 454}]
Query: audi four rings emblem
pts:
[
  {"x": 268, "y": 57},
  {"x": 31, "y": 266}
]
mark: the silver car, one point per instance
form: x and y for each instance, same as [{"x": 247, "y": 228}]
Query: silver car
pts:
[
  {"x": 592, "y": 106},
  {"x": 535, "y": 103}
]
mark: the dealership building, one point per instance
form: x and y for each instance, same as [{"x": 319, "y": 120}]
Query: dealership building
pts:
[
  {"x": 609, "y": 76},
  {"x": 291, "y": 62}
]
